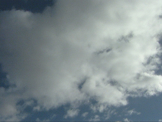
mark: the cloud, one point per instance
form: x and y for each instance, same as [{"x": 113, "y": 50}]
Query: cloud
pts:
[
  {"x": 95, "y": 118},
  {"x": 72, "y": 113},
  {"x": 38, "y": 120},
  {"x": 85, "y": 114},
  {"x": 78, "y": 51},
  {"x": 160, "y": 120},
  {"x": 126, "y": 120},
  {"x": 131, "y": 112},
  {"x": 37, "y": 108}
]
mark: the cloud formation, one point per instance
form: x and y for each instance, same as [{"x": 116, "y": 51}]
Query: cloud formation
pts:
[
  {"x": 72, "y": 113},
  {"x": 78, "y": 51}
]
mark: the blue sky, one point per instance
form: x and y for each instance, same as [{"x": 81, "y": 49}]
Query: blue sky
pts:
[{"x": 80, "y": 60}]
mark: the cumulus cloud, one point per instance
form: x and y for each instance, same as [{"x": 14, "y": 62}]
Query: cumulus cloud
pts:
[{"x": 81, "y": 50}]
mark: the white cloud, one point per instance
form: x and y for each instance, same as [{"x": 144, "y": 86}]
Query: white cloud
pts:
[
  {"x": 95, "y": 118},
  {"x": 126, "y": 120},
  {"x": 72, "y": 113},
  {"x": 108, "y": 43},
  {"x": 132, "y": 111},
  {"x": 46, "y": 120},
  {"x": 109, "y": 113},
  {"x": 99, "y": 108},
  {"x": 37, "y": 108},
  {"x": 9, "y": 109},
  {"x": 39, "y": 120},
  {"x": 160, "y": 120},
  {"x": 85, "y": 114}
]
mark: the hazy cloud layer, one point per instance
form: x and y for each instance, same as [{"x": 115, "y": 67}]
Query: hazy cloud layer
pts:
[{"x": 80, "y": 51}]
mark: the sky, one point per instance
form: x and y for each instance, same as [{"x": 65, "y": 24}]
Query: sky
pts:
[{"x": 80, "y": 60}]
